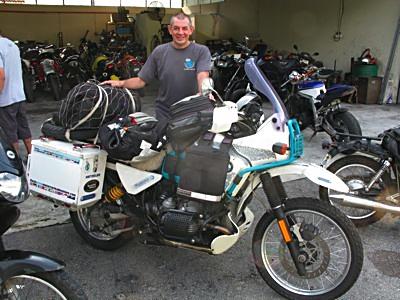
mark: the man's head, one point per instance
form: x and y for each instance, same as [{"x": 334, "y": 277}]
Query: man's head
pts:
[{"x": 180, "y": 27}]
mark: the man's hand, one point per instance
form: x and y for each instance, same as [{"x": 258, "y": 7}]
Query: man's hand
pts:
[{"x": 114, "y": 83}]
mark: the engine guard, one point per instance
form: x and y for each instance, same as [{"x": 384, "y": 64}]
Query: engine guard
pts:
[
  {"x": 17, "y": 262},
  {"x": 224, "y": 242}
]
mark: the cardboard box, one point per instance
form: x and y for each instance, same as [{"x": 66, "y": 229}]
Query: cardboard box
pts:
[
  {"x": 66, "y": 173},
  {"x": 368, "y": 89}
]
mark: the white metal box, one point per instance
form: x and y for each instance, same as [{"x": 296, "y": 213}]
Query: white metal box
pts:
[{"x": 71, "y": 174}]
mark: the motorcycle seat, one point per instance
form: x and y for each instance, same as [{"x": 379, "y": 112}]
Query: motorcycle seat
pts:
[{"x": 336, "y": 92}]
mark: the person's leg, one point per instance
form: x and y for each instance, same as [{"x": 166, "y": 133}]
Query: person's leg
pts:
[
  {"x": 28, "y": 145},
  {"x": 8, "y": 123},
  {"x": 23, "y": 130}
]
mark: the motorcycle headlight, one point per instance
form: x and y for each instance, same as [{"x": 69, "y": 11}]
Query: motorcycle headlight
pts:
[{"x": 13, "y": 188}]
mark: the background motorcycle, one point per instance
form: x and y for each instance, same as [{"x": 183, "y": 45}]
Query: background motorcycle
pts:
[
  {"x": 26, "y": 274},
  {"x": 319, "y": 108},
  {"x": 370, "y": 168},
  {"x": 40, "y": 61},
  {"x": 73, "y": 68},
  {"x": 293, "y": 244}
]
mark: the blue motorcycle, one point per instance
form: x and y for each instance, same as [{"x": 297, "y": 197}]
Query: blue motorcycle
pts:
[{"x": 318, "y": 107}]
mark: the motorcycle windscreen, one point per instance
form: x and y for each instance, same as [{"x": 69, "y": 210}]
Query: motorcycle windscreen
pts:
[{"x": 262, "y": 84}]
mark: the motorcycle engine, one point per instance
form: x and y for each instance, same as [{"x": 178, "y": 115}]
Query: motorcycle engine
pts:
[{"x": 185, "y": 220}]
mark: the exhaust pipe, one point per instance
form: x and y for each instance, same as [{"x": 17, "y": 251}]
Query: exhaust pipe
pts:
[{"x": 352, "y": 201}]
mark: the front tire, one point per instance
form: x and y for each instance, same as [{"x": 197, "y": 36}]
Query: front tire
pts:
[
  {"x": 331, "y": 233},
  {"x": 49, "y": 285},
  {"x": 55, "y": 86},
  {"x": 356, "y": 171},
  {"x": 29, "y": 88}
]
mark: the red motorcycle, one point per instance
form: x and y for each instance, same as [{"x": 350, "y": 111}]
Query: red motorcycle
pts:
[{"x": 44, "y": 69}]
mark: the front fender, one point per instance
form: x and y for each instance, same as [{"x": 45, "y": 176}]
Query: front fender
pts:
[
  {"x": 17, "y": 262},
  {"x": 315, "y": 173}
]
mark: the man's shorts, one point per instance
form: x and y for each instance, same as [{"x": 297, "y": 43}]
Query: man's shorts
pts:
[{"x": 14, "y": 122}]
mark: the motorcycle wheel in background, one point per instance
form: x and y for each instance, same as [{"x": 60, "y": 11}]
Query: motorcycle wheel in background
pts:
[
  {"x": 55, "y": 86},
  {"x": 29, "y": 87},
  {"x": 325, "y": 230},
  {"x": 357, "y": 171},
  {"x": 345, "y": 122},
  {"x": 49, "y": 285}
]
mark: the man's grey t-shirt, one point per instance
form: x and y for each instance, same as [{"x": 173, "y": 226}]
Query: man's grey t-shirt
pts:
[
  {"x": 176, "y": 69},
  {"x": 10, "y": 61}
]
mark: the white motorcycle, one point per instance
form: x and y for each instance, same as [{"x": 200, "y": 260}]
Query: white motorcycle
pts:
[{"x": 195, "y": 194}]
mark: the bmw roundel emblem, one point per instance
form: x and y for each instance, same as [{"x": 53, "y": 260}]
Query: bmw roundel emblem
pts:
[{"x": 10, "y": 154}]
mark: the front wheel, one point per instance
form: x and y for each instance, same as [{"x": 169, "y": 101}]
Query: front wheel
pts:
[
  {"x": 29, "y": 87},
  {"x": 54, "y": 82},
  {"x": 50, "y": 285},
  {"x": 329, "y": 242},
  {"x": 345, "y": 122}
]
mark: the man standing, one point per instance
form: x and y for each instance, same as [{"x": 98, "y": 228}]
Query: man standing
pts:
[
  {"x": 180, "y": 66},
  {"x": 12, "y": 98}
]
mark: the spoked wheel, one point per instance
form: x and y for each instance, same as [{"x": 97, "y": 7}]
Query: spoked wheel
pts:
[
  {"x": 357, "y": 171},
  {"x": 329, "y": 242},
  {"x": 52, "y": 285},
  {"x": 97, "y": 227}
]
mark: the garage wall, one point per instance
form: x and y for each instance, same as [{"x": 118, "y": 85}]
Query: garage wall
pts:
[
  {"x": 312, "y": 23},
  {"x": 43, "y": 22},
  {"x": 228, "y": 19}
]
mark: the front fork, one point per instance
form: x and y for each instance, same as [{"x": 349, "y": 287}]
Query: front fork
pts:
[{"x": 276, "y": 195}]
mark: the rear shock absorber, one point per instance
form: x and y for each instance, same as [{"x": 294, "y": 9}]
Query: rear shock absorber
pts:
[{"x": 114, "y": 193}]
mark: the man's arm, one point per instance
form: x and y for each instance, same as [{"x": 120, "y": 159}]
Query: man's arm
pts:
[
  {"x": 2, "y": 79},
  {"x": 133, "y": 83},
  {"x": 200, "y": 78}
]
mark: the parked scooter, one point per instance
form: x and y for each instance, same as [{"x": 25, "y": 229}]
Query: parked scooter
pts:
[
  {"x": 26, "y": 274},
  {"x": 370, "y": 168},
  {"x": 203, "y": 204}
]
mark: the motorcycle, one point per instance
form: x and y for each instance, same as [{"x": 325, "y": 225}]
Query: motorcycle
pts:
[
  {"x": 370, "y": 168},
  {"x": 74, "y": 70},
  {"x": 45, "y": 68},
  {"x": 228, "y": 71},
  {"x": 194, "y": 193},
  {"x": 26, "y": 274},
  {"x": 319, "y": 108}
]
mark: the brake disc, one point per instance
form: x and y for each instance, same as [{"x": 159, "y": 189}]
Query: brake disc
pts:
[{"x": 318, "y": 257}]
